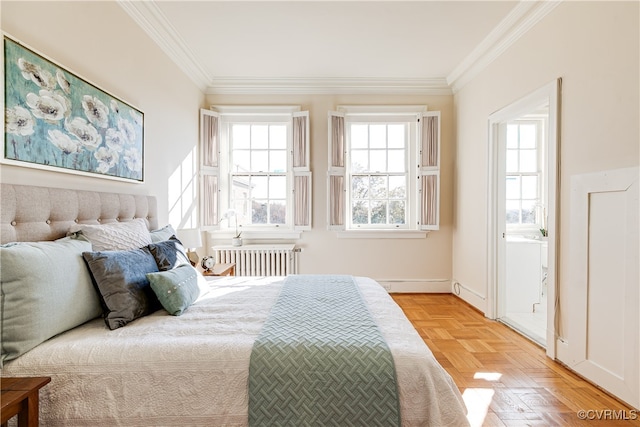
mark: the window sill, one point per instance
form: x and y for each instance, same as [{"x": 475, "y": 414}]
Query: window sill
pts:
[
  {"x": 258, "y": 235},
  {"x": 382, "y": 234}
]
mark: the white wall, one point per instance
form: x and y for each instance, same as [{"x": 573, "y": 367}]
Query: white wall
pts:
[
  {"x": 420, "y": 260},
  {"x": 594, "y": 47},
  {"x": 99, "y": 42}
]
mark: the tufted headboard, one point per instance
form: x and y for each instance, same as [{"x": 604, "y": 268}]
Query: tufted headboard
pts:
[{"x": 30, "y": 213}]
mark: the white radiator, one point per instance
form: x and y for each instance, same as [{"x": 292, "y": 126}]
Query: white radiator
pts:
[{"x": 259, "y": 260}]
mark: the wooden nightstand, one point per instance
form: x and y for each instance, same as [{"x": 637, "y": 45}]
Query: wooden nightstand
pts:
[
  {"x": 228, "y": 269},
  {"x": 20, "y": 396}
]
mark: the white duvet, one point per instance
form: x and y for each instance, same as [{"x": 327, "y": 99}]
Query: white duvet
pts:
[{"x": 192, "y": 370}]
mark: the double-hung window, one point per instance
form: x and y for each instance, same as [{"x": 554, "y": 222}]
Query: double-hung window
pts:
[
  {"x": 524, "y": 197},
  {"x": 255, "y": 170},
  {"x": 384, "y": 168}
]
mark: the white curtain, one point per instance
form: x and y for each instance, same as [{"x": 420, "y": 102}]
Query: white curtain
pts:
[
  {"x": 336, "y": 184},
  {"x": 300, "y": 141},
  {"x": 209, "y": 200}
]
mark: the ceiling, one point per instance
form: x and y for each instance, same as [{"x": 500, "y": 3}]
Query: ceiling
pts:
[{"x": 331, "y": 46}]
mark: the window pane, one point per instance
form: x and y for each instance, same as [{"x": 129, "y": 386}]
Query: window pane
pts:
[
  {"x": 378, "y": 136},
  {"x": 396, "y": 136},
  {"x": 528, "y": 161},
  {"x": 241, "y": 161},
  {"x": 512, "y": 160},
  {"x": 277, "y": 161},
  {"x": 512, "y": 136},
  {"x": 396, "y": 212},
  {"x": 527, "y": 136},
  {"x": 360, "y": 187},
  {"x": 240, "y": 135},
  {"x": 277, "y": 211},
  {"x": 378, "y": 212},
  {"x": 378, "y": 187},
  {"x": 278, "y": 187},
  {"x": 278, "y": 137},
  {"x": 259, "y": 212},
  {"x": 513, "y": 212},
  {"x": 359, "y": 160},
  {"x": 528, "y": 212},
  {"x": 530, "y": 187},
  {"x": 259, "y": 187},
  {"x": 360, "y": 212},
  {"x": 513, "y": 187},
  {"x": 259, "y": 136},
  {"x": 397, "y": 187},
  {"x": 378, "y": 161},
  {"x": 359, "y": 136},
  {"x": 396, "y": 161},
  {"x": 259, "y": 161}
]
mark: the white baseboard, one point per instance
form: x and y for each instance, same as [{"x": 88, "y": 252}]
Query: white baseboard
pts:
[
  {"x": 469, "y": 296},
  {"x": 426, "y": 286}
]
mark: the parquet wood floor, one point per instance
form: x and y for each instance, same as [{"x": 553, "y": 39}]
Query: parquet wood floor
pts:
[{"x": 505, "y": 379}]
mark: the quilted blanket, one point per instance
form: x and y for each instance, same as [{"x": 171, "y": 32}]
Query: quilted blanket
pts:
[
  {"x": 193, "y": 370},
  {"x": 320, "y": 359}
]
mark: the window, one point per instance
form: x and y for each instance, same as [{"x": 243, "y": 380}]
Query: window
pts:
[
  {"x": 374, "y": 183},
  {"x": 524, "y": 175},
  {"x": 255, "y": 161}
]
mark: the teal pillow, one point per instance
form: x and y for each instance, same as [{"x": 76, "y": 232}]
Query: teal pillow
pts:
[
  {"x": 176, "y": 289},
  {"x": 46, "y": 290}
]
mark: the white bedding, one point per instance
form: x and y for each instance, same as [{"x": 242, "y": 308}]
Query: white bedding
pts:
[{"x": 192, "y": 370}]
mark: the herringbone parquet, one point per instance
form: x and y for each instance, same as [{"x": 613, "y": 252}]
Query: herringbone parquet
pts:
[{"x": 505, "y": 379}]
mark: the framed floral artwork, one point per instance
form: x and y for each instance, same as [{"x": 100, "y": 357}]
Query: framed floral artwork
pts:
[{"x": 56, "y": 120}]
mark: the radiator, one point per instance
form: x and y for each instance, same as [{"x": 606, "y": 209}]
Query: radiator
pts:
[{"x": 259, "y": 260}]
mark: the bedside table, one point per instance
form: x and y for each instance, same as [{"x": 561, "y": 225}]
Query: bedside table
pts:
[
  {"x": 20, "y": 396},
  {"x": 228, "y": 269}
]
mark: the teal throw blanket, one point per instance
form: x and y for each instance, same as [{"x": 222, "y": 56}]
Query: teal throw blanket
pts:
[{"x": 320, "y": 360}]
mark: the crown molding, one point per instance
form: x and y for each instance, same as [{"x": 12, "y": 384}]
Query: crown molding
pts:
[
  {"x": 520, "y": 20},
  {"x": 334, "y": 86},
  {"x": 151, "y": 19}
]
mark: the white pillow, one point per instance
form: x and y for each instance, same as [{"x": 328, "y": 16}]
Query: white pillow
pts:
[{"x": 117, "y": 236}]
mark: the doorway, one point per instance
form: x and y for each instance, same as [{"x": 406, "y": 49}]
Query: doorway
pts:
[{"x": 523, "y": 143}]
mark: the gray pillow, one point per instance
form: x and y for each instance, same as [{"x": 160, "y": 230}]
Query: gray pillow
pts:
[
  {"x": 162, "y": 234},
  {"x": 46, "y": 290},
  {"x": 176, "y": 289},
  {"x": 169, "y": 254},
  {"x": 120, "y": 277}
]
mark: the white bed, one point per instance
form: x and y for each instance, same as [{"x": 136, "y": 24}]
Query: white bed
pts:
[{"x": 191, "y": 370}]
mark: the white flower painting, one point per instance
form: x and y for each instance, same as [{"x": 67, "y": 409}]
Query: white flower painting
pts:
[{"x": 54, "y": 119}]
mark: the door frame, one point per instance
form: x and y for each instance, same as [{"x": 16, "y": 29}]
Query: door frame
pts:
[{"x": 549, "y": 93}]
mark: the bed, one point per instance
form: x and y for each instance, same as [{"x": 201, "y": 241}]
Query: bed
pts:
[{"x": 190, "y": 369}]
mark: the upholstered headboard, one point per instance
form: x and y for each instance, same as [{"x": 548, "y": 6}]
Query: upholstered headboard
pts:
[{"x": 30, "y": 213}]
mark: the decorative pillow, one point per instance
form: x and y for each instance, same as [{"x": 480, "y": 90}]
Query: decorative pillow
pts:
[
  {"x": 162, "y": 234},
  {"x": 169, "y": 254},
  {"x": 120, "y": 277},
  {"x": 117, "y": 236},
  {"x": 46, "y": 290},
  {"x": 176, "y": 289}
]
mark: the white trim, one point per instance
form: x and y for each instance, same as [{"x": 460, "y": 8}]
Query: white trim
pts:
[
  {"x": 257, "y": 110},
  {"x": 382, "y": 234},
  {"x": 327, "y": 86},
  {"x": 548, "y": 94},
  {"x": 256, "y": 235},
  {"x": 428, "y": 286},
  {"x": 151, "y": 19},
  {"x": 521, "y": 19}
]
